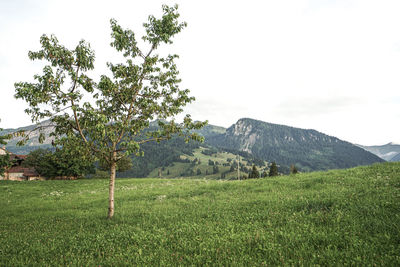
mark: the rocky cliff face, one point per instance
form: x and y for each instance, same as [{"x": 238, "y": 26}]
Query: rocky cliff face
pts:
[{"x": 244, "y": 133}]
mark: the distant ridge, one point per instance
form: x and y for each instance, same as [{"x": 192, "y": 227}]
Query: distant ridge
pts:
[
  {"x": 307, "y": 149},
  {"x": 395, "y": 158},
  {"x": 389, "y": 152},
  {"x": 393, "y": 144}
]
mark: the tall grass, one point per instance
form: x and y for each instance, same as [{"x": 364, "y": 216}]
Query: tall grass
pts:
[{"x": 340, "y": 217}]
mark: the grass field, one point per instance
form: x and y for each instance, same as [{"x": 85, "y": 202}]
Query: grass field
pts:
[{"x": 340, "y": 217}]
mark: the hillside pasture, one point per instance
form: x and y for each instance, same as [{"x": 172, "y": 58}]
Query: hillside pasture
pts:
[{"x": 189, "y": 169}]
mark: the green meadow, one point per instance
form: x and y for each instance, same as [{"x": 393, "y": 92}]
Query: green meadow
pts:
[{"x": 334, "y": 218}]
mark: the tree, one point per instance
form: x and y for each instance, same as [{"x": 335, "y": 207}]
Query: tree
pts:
[
  {"x": 41, "y": 160},
  {"x": 143, "y": 88},
  {"x": 72, "y": 160},
  {"x": 293, "y": 169},
  {"x": 215, "y": 169},
  {"x": 264, "y": 174},
  {"x": 5, "y": 163},
  {"x": 273, "y": 170},
  {"x": 198, "y": 172},
  {"x": 254, "y": 173},
  {"x": 61, "y": 162}
]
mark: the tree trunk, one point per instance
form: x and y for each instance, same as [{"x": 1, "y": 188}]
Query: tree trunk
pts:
[{"x": 111, "y": 187}]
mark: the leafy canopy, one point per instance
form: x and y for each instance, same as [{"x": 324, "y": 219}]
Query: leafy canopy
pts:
[
  {"x": 61, "y": 162},
  {"x": 143, "y": 88}
]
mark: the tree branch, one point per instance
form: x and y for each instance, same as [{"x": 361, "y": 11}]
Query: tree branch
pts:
[{"x": 130, "y": 111}]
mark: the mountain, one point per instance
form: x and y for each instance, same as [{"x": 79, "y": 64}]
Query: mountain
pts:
[
  {"x": 395, "y": 158},
  {"x": 33, "y": 143},
  {"x": 389, "y": 152},
  {"x": 307, "y": 149},
  {"x": 257, "y": 142}
]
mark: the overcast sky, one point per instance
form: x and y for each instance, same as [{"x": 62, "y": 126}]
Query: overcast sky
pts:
[{"x": 328, "y": 65}]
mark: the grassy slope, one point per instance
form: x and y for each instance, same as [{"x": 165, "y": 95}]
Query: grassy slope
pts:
[
  {"x": 344, "y": 217},
  {"x": 220, "y": 157}
]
